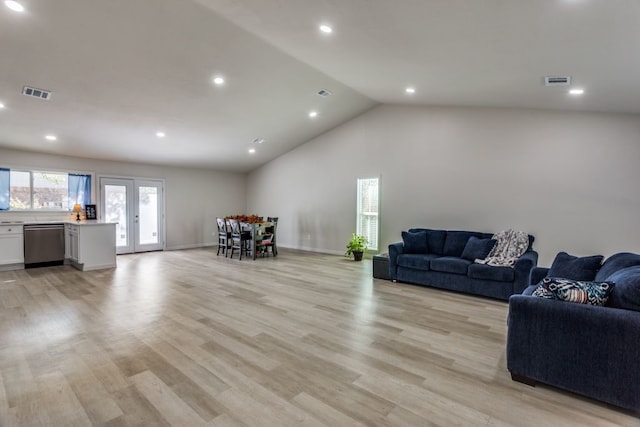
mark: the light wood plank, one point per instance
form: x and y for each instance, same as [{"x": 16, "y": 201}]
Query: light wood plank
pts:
[{"x": 188, "y": 338}]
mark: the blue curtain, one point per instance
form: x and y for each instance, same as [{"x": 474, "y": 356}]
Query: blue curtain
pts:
[
  {"x": 4, "y": 189},
  {"x": 79, "y": 190}
]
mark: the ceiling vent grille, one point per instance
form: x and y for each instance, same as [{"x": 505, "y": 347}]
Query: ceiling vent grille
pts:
[
  {"x": 557, "y": 81},
  {"x": 323, "y": 93},
  {"x": 36, "y": 93}
]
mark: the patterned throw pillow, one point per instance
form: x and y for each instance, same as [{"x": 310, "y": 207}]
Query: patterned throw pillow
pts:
[{"x": 581, "y": 292}]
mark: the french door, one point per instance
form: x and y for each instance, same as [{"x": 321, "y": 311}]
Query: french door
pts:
[{"x": 137, "y": 205}]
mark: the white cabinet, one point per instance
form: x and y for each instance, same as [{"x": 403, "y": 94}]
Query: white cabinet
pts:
[
  {"x": 11, "y": 247},
  {"x": 90, "y": 246},
  {"x": 71, "y": 242}
]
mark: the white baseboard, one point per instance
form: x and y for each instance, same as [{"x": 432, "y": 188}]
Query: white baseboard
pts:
[
  {"x": 198, "y": 245},
  {"x": 300, "y": 248},
  {"x": 309, "y": 249}
]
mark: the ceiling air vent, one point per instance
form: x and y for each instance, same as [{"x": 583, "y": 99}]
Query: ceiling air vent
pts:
[
  {"x": 557, "y": 81},
  {"x": 323, "y": 93},
  {"x": 36, "y": 93}
]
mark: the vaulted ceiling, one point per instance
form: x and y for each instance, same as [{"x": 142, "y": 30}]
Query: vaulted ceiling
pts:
[{"x": 121, "y": 71}]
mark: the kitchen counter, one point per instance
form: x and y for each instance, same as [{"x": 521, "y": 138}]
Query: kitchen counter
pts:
[
  {"x": 88, "y": 245},
  {"x": 36, "y": 222}
]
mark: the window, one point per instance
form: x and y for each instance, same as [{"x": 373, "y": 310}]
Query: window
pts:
[
  {"x": 20, "y": 190},
  {"x": 4, "y": 189},
  {"x": 50, "y": 190},
  {"x": 38, "y": 190},
  {"x": 368, "y": 208}
]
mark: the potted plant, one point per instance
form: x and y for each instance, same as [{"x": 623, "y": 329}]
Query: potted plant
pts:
[{"x": 356, "y": 246}]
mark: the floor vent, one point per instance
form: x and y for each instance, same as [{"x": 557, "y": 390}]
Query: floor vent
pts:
[
  {"x": 36, "y": 93},
  {"x": 557, "y": 81}
]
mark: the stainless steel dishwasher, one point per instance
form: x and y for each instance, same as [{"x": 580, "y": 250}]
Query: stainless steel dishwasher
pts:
[{"x": 43, "y": 244}]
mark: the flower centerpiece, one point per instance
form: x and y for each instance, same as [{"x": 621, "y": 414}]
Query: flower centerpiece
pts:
[{"x": 251, "y": 219}]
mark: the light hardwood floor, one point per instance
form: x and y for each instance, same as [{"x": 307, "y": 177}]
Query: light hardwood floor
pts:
[{"x": 186, "y": 338}]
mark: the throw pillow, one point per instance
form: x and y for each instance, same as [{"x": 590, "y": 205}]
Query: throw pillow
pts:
[
  {"x": 581, "y": 292},
  {"x": 477, "y": 248},
  {"x": 572, "y": 267},
  {"x": 627, "y": 292},
  {"x": 415, "y": 243}
]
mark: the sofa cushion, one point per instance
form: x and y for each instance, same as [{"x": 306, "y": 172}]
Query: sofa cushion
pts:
[
  {"x": 477, "y": 248},
  {"x": 416, "y": 261},
  {"x": 435, "y": 239},
  {"x": 626, "y": 294},
  {"x": 578, "y": 291},
  {"x": 415, "y": 243},
  {"x": 571, "y": 267},
  {"x": 456, "y": 241},
  {"x": 450, "y": 265},
  {"x": 617, "y": 262},
  {"x": 489, "y": 272}
]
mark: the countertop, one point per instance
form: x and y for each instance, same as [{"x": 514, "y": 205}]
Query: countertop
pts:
[{"x": 82, "y": 223}]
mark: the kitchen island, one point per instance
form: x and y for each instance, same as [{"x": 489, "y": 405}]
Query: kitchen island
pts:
[{"x": 88, "y": 245}]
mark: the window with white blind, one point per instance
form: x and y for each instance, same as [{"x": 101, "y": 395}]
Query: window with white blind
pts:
[{"x": 368, "y": 210}]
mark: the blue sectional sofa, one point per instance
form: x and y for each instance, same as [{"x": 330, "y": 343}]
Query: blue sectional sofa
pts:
[
  {"x": 587, "y": 349},
  {"x": 440, "y": 264}
]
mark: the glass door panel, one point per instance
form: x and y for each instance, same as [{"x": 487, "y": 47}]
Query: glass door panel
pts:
[
  {"x": 116, "y": 205},
  {"x": 148, "y": 206},
  {"x": 149, "y": 214},
  {"x": 116, "y": 211}
]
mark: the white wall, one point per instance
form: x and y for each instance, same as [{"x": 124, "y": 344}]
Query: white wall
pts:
[
  {"x": 570, "y": 179},
  {"x": 194, "y": 197}
]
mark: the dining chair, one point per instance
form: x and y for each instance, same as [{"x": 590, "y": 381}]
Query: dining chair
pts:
[
  {"x": 239, "y": 238},
  {"x": 272, "y": 230},
  {"x": 224, "y": 237}
]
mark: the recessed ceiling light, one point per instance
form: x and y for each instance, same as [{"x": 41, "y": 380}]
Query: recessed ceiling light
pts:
[
  {"x": 252, "y": 150},
  {"x": 218, "y": 80},
  {"x": 161, "y": 134},
  {"x": 313, "y": 114},
  {"x": 51, "y": 137},
  {"x": 14, "y": 5},
  {"x": 410, "y": 90},
  {"x": 326, "y": 29},
  {"x": 1, "y": 105},
  {"x": 576, "y": 91}
]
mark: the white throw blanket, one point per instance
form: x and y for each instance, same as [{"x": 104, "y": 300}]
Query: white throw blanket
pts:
[{"x": 509, "y": 247}]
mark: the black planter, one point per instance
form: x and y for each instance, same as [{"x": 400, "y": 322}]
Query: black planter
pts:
[{"x": 357, "y": 256}]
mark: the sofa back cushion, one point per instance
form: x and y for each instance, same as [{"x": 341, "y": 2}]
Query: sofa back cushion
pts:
[
  {"x": 415, "y": 242},
  {"x": 626, "y": 293},
  {"x": 567, "y": 266},
  {"x": 435, "y": 239},
  {"x": 456, "y": 241},
  {"x": 617, "y": 262}
]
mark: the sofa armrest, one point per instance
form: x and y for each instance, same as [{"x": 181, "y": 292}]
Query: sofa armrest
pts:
[
  {"x": 395, "y": 249},
  {"x": 537, "y": 274},
  {"x": 582, "y": 348},
  {"x": 523, "y": 267}
]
